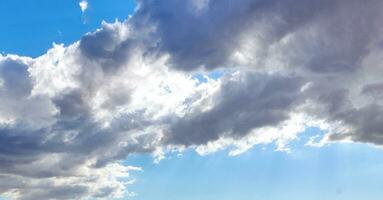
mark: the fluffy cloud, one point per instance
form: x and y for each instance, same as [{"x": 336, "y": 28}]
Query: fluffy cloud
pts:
[{"x": 68, "y": 117}]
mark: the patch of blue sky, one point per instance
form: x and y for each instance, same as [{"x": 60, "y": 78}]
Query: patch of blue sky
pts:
[
  {"x": 215, "y": 75},
  {"x": 333, "y": 172},
  {"x": 29, "y": 28}
]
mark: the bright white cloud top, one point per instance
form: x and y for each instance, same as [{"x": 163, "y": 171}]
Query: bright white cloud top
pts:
[
  {"x": 69, "y": 116},
  {"x": 83, "y": 5}
]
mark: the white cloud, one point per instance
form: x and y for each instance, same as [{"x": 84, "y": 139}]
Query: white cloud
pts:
[{"x": 83, "y": 5}]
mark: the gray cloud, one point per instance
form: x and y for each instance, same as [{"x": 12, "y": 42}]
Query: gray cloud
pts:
[
  {"x": 45, "y": 137},
  {"x": 206, "y": 35},
  {"x": 69, "y": 116},
  {"x": 243, "y": 103}
]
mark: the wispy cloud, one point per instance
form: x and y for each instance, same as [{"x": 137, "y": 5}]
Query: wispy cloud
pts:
[{"x": 83, "y": 5}]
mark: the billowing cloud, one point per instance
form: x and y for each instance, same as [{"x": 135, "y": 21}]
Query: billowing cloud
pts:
[
  {"x": 68, "y": 117},
  {"x": 243, "y": 102}
]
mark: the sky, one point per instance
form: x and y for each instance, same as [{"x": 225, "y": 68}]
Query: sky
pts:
[
  {"x": 191, "y": 100},
  {"x": 30, "y": 28}
]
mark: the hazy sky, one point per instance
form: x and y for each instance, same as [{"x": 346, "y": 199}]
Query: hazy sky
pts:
[{"x": 191, "y": 100}]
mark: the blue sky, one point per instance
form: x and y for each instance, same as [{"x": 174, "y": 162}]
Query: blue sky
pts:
[
  {"x": 31, "y": 27},
  {"x": 338, "y": 171}
]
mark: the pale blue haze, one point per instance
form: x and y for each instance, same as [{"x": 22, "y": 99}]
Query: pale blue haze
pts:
[{"x": 335, "y": 172}]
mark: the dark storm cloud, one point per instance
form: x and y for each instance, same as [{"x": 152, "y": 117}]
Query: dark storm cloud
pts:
[
  {"x": 374, "y": 90},
  {"x": 207, "y": 34},
  {"x": 187, "y": 33},
  {"x": 366, "y": 123},
  {"x": 106, "y": 48},
  {"x": 338, "y": 39},
  {"x": 322, "y": 41},
  {"x": 243, "y": 103}
]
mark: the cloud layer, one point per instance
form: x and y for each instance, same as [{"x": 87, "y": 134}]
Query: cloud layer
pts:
[{"x": 68, "y": 117}]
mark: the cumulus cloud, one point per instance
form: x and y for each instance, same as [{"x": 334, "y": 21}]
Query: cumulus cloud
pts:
[
  {"x": 242, "y": 103},
  {"x": 68, "y": 117}
]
